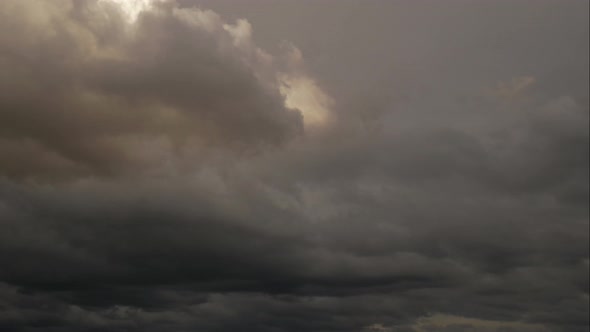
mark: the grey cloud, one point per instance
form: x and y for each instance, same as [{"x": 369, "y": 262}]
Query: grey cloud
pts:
[
  {"x": 162, "y": 185},
  {"x": 165, "y": 79}
]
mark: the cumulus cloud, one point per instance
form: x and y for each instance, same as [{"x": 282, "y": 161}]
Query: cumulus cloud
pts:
[
  {"x": 176, "y": 78},
  {"x": 160, "y": 171}
]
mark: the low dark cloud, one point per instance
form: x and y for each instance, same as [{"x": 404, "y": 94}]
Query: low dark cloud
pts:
[{"x": 165, "y": 173}]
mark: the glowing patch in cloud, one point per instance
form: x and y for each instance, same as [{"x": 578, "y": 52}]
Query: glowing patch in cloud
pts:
[
  {"x": 132, "y": 8},
  {"x": 303, "y": 94}
]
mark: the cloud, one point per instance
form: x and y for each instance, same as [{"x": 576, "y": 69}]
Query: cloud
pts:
[
  {"x": 453, "y": 323},
  {"x": 166, "y": 173},
  {"x": 377, "y": 327},
  {"x": 514, "y": 88},
  {"x": 180, "y": 77}
]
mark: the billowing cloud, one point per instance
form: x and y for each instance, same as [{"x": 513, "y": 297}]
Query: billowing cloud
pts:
[
  {"x": 120, "y": 83},
  {"x": 160, "y": 170}
]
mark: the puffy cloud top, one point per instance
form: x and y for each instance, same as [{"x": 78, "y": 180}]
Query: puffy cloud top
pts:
[
  {"x": 388, "y": 167},
  {"x": 86, "y": 90}
]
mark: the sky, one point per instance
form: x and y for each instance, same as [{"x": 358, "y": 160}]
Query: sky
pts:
[{"x": 294, "y": 166}]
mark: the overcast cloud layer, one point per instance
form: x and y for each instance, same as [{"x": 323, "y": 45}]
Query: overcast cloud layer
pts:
[{"x": 291, "y": 166}]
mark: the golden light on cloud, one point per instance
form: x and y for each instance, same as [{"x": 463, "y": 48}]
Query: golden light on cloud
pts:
[
  {"x": 132, "y": 8},
  {"x": 514, "y": 88},
  {"x": 303, "y": 93}
]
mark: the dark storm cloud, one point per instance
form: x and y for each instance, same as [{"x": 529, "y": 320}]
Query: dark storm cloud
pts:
[{"x": 154, "y": 180}]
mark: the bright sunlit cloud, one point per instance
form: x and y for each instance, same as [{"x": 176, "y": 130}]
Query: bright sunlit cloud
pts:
[
  {"x": 303, "y": 93},
  {"x": 132, "y": 8}
]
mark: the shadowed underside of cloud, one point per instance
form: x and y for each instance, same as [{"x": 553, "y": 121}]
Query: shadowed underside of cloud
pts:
[{"x": 163, "y": 173}]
